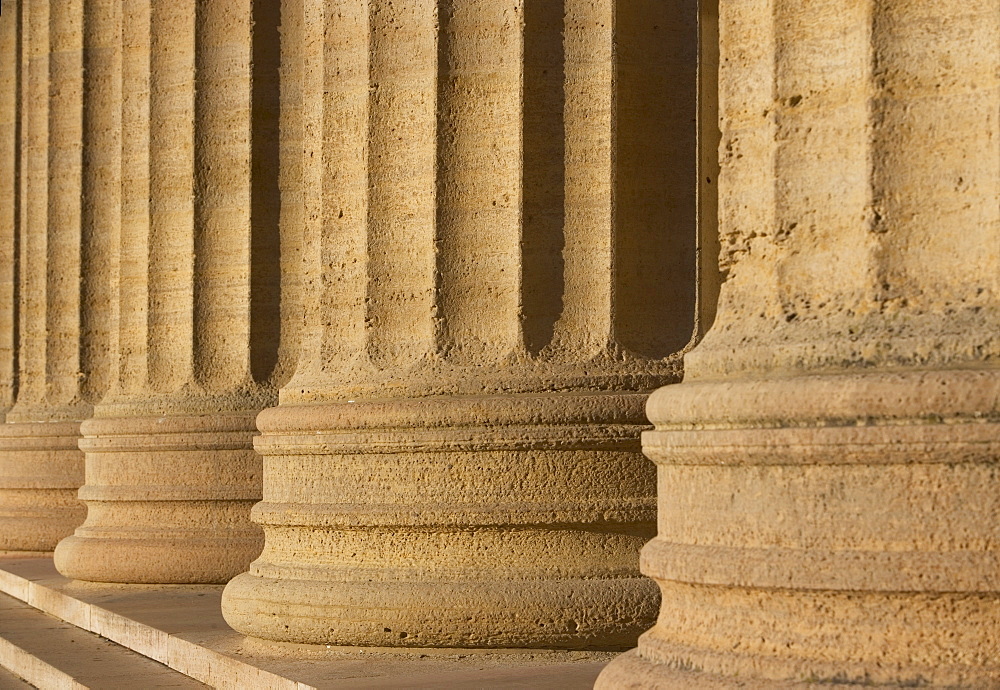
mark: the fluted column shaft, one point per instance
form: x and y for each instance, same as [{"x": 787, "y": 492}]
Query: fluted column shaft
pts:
[
  {"x": 63, "y": 309},
  {"x": 492, "y": 197},
  {"x": 171, "y": 472},
  {"x": 12, "y": 152},
  {"x": 827, "y": 471}
]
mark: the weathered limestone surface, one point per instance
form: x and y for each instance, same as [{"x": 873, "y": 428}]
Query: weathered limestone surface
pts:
[
  {"x": 828, "y": 490},
  {"x": 171, "y": 471},
  {"x": 491, "y": 198},
  {"x": 61, "y": 287},
  {"x": 11, "y": 178}
]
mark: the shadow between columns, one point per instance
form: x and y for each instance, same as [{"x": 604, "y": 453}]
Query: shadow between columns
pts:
[
  {"x": 543, "y": 171},
  {"x": 265, "y": 197},
  {"x": 656, "y": 154}
]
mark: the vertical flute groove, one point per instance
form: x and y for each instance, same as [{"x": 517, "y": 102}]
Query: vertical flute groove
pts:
[
  {"x": 584, "y": 327},
  {"x": 10, "y": 170},
  {"x": 808, "y": 210},
  {"x": 65, "y": 276},
  {"x": 345, "y": 181},
  {"x": 101, "y": 193},
  {"x": 33, "y": 246},
  {"x": 955, "y": 73},
  {"x": 655, "y": 168},
  {"x": 709, "y": 137},
  {"x": 274, "y": 302},
  {"x": 543, "y": 171},
  {"x": 221, "y": 309},
  {"x": 23, "y": 113},
  {"x": 302, "y": 161},
  {"x": 747, "y": 148}
]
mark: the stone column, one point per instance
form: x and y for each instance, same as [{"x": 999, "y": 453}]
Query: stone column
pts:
[
  {"x": 12, "y": 71},
  {"x": 829, "y": 504},
  {"x": 171, "y": 471},
  {"x": 492, "y": 198},
  {"x": 63, "y": 308}
]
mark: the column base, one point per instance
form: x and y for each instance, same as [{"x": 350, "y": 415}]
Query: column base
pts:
[
  {"x": 41, "y": 469},
  {"x": 552, "y": 614},
  {"x": 828, "y": 529},
  {"x": 168, "y": 501},
  {"x": 452, "y": 522}
]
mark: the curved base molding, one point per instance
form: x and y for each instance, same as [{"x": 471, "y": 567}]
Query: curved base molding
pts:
[
  {"x": 169, "y": 558},
  {"x": 168, "y": 501},
  {"x": 840, "y": 528},
  {"x": 631, "y": 671},
  {"x": 488, "y": 613},
  {"x": 903, "y": 640},
  {"x": 455, "y": 522},
  {"x": 41, "y": 468}
]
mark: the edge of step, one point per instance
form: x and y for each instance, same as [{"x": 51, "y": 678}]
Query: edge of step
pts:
[
  {"x": 50, "y": 653},
  {"x": 29, "y": 668},
  {"x": 195, "y": 661}
]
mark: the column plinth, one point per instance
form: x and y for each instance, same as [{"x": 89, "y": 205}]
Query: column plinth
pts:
[
  {"x": 452, "y": 521},
  {"x": 41, "y": 469},
  {"x": 167, "y": 500},
  {"x": 855, "y": 507}
]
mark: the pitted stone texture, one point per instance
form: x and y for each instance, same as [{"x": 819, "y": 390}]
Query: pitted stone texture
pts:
[
  {"x": 41, "y": 469},
  {"x": 849, "y": 539},
  {"x": 827, "y": 471},
  {"x": 63, "y": 278},
  {"x": 490, "y": 193},
  {"x": 857, "y": 201},
  {"x": 11, "y": 171},
  {"x": 171, "y": 471},
  {"x": 154, "y": 520},
  {"x": 478, "y": 522}
]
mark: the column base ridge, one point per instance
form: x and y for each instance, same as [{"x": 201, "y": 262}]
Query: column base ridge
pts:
[
  {"x": 576, "y": 614},
  {"x": 41, "y": 469},
  {"x": 632, "y": 671},
  {"x": 168, "y": 499},
  {"x": 485, "y": 521},
  {"x": 829, "y": 528}
]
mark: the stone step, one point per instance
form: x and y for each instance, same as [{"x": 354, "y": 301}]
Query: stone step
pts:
[
  {"x": 8, "y": 681},
  {"x": 182, "y": 628},
  {"x": 50, "y": 653}
]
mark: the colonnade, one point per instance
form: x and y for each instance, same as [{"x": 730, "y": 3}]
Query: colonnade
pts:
[{"x": 356, "y": 306}]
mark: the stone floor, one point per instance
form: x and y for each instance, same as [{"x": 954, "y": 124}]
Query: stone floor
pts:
[{"x": 175, "y": 635}]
